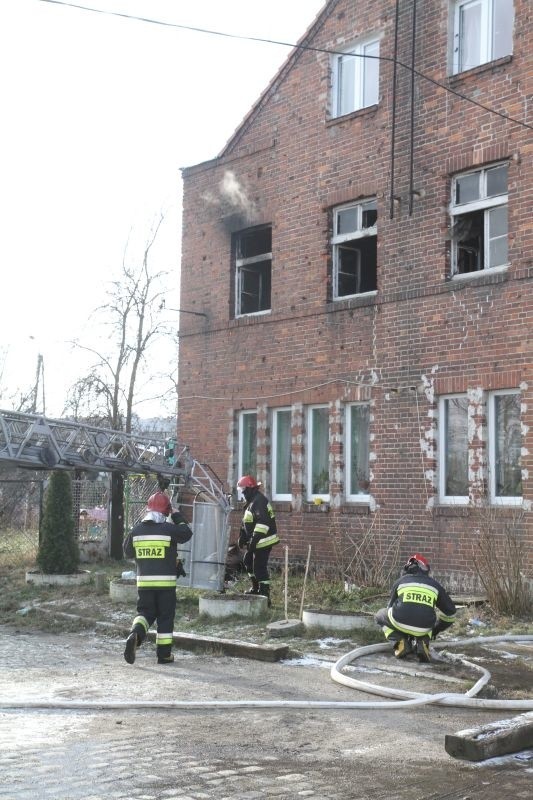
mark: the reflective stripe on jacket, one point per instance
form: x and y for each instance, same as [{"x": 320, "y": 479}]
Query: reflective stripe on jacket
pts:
[
  {"x": 414, "y": 603},
  {"x": 154, "y": 545}
]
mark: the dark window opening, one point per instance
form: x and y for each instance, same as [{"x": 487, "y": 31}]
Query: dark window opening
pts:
[
  {"x": 468, "y": 234},
  {"x": 253, "y": 270},
  {"x": 357, "y": 265}
]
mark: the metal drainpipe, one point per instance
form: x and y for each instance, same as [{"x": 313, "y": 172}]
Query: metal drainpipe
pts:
[
  {"x": 412, "y": 124},
  {"x": 393, "y": 122}
]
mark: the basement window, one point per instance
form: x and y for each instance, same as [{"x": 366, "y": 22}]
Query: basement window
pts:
[
  {"x": 453, "y": 449},
  {"x": 354, "y": 244},
  {"x": 482, "y": 32},
  {"x": 281, "y": 454},
  {"x": 318, "y": 453},
  {"x": 247, "y": 446},
  {"x": 479, "y": 226},
  {"x": 357, "y": 447},
  {"x": 505, "y": 448},
  {"x": 355, "y": 78},
  {"x": 253, "y": 268}
]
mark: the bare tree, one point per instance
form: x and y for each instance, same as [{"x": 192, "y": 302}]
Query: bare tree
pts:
[{"x": 132, "y": 320}]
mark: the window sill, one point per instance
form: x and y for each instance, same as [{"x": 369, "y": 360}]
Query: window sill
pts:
[
  {"x": 354, "y": 301},
  {"x": 360, "y": 509},
  {"x": 315, "y": 508},
  {"x": 489, "y": 66},
  {"x": 282, "y": 505},
  {"x": 360, "y": 112},
  {"x": 452, "y": 510},
  {"x": 249, "y": 319},
  {"x": 481, "y": 277}
]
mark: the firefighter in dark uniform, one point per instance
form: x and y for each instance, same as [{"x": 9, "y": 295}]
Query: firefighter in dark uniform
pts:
[
  {"x": 153, "y": 543},
  {"x": 258, "y": 535},
  {"x": 419, "y": 609}
]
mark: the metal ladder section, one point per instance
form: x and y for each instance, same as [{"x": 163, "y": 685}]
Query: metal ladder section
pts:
[{"x": 37, "y": 442}]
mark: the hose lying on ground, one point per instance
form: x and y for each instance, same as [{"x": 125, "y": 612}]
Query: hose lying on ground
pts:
[{"x": 467, "y": 700}]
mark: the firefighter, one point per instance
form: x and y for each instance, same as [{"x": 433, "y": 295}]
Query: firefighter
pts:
[
  {"x": 258, "y": 534},
  {"x": 153, "y": 543},
  {"x": 419, "y": 609}
]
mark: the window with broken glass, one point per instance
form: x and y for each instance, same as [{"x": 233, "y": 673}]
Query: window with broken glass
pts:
[
  {"x": 247, "y": 448},
  {"x": 482, "y": 32},
  {"x": 253, "y": 268},
  {"x": 479, "y": 224},
  {"x": 453, "y": 449},
  {"x": 505, "y": 447},
  {"x": 318, "y": 453},
  {"x": 355, "y": 74},
  {"x": 281, "y": 454},
  {"x": 354, "y": 245},
  {"x": 357, "y": 452}
]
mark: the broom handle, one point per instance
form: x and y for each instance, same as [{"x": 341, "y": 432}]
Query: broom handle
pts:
[{"x": 305, "y": 581}]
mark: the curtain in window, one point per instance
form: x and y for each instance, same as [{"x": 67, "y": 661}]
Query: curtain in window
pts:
[
  {"x": 508, "y": 441},
  {"x": 456, "y": 439},
  {"x": 359, "y": 446},
  {"x": 319, "y": 451},
  {"x": 249, "y": 444},
  {"x": 283, "y": 452}
]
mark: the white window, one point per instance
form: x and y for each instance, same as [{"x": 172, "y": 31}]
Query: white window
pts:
[
  {"x": 357, "y": 446},
  {"x": 247, "y": 443},
  {"x": 483, "y": 32},
  {"x": 479, "y": 226},
  {"x": 253, "y": 268},
  {"x": 453, "y": 449},
  {"x": 505, "y": 444},
  {"x": 281, "y": 454},
  {"x": 354, "y": 245},
  {"x": 318, "y": 453},
  {"x": 355, "y": 78}
]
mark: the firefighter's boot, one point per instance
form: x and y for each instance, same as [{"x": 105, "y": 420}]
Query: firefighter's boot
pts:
[
  {"x": 422, "y": 649},
  {"x": 402, "y": 647},
  {"x": 254, "y": 588},
  {"x": 132, "y": 642},
  {"x": 264, "y": 589}
]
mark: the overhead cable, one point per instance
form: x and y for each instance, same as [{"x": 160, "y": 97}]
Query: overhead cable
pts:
[{"x": 305, "y": 47}]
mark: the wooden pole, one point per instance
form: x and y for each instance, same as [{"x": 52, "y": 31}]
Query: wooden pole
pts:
[
  {"x": 286, "y": 583},
  {"x": 305, "y": 581}
]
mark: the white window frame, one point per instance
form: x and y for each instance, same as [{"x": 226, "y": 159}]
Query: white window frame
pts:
[
  {"x": 311, "y": 496},
  {"x": 241, "y": 264},
  {"x": 282, "y": 496},
  {"x": 499, "y": 500},
  {"x": 443, "y": 451},
  {"x": 339, "y": 239},
  {"x": 360, "y": 497},
  {"x": 485, "y": 204},
  {"x": 486, "y": 40},
  {"x": 362, "y": 98},
  {"x": 242, "y": 415}
]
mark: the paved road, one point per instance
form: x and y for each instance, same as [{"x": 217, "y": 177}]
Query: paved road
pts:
[{"x": 55, "y": 754}]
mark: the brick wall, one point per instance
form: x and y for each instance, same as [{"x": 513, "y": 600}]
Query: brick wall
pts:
[{"x": 421, "y": 335}]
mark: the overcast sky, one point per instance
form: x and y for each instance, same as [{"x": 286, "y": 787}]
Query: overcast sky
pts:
[{"x": 99, "y": 113}]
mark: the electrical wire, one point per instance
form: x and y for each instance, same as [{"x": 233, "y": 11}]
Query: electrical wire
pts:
[{"x": 296, "y": 47}]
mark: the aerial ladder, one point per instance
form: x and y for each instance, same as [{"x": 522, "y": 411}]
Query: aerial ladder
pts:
[{"x": 36, "y": 442}]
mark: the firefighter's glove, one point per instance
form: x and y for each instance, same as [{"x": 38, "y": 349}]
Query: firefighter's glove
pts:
[
  {"x": 180, "y": 572},
  {"x": 177, "y": 517}
]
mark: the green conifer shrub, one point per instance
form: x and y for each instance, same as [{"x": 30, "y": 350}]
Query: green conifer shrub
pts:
[{"x": 58, "y": 552}]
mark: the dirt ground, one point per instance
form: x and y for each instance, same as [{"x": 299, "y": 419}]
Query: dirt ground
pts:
[{"x": 244, "y": 754}]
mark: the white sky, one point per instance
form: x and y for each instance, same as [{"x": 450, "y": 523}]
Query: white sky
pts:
[{"x": 98, "y": 115}]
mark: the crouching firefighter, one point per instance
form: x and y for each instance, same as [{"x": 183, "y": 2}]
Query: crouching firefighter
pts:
[
  {"x": 153, "y": 543},
  {"x": 258, "y": 535},
  {"x": 419, "y": 609}
]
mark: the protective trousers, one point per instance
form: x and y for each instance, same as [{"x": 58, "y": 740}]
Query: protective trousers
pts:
[
  {"x": 152, "y": 605},
  {"x": 256, "y": 564}
]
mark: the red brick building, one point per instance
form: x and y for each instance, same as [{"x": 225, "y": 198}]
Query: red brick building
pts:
[{"x": 360, "y": 252}]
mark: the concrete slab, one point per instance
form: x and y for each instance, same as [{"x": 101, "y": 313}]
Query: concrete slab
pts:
[
  {"x": 495, "y": 739},
  {"x": 285, "y": 627},
  {"x": 230, "y": 647}
]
